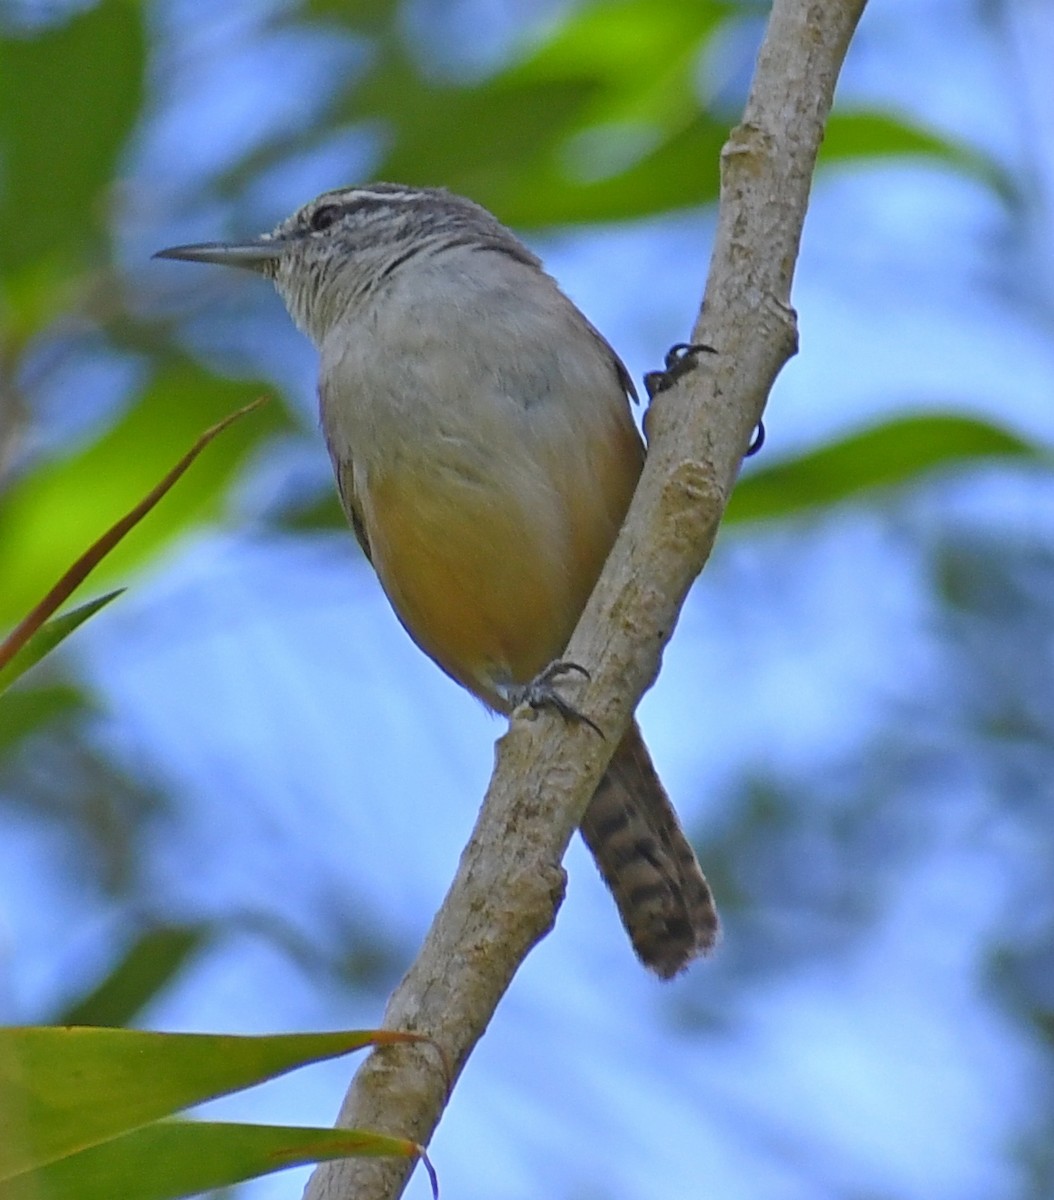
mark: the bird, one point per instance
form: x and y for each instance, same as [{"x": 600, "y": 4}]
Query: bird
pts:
[{"x": 485, "y": 452}]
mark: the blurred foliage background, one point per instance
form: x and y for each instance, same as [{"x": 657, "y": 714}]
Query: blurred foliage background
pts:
[{"x": 234, "y": 800}]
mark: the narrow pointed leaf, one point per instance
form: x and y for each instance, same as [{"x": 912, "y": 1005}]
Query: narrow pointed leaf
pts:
[
  {"x": 171, "y": 1159},
  {"x": 49, "y": 635},
  {"x": 894, "y": 453},
  {"x": 45, "y": 522},
  {"x": 877, "y": 135},
  {"x": 90, "y": 559},
  {"x": 66, "y": 1089}
]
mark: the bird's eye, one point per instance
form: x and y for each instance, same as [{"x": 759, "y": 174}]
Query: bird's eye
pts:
[{"x": 323, "y": 217}]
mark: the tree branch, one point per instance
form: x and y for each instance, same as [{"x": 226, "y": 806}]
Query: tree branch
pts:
[{"x": 509, "y": 883}]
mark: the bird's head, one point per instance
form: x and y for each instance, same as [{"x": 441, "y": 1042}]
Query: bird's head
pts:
[{"x": 342, "y": 247}]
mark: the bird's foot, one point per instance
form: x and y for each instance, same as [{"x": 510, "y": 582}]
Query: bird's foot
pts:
[
  {"x": 679, "y": 360},
  {"x": 542, "y": 692}
]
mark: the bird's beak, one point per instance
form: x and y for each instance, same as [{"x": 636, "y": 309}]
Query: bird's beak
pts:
[{"x": 253, "y": 256}]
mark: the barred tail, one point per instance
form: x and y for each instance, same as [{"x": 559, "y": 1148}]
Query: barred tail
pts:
[{"x": 633, "y": 833}]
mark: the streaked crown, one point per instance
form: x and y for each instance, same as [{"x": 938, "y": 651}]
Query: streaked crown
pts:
[{"x": 390, "y": 214}]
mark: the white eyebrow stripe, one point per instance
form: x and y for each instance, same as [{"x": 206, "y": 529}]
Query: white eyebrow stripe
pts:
[{"x": 367, "y": 194}]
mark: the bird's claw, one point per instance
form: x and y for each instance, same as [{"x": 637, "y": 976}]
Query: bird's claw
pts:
[
  {"x": 541, "y": 692},
  {"x": 757, "y": 441},
  {"x": 680, "y": 358}
]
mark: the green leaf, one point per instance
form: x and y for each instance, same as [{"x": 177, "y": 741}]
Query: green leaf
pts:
[
  {"x": 184, "y": 1158},
  {"x": 641, "y": 55},
  {"x": 599, "y": 122},
  {"x": 455, "y": 135},
  {"x": 69, "y": 97},
  {"x": 876, "y": 135},
  {"x": 50, "y": 515},
  {"x": 153, "y": 960},
  {"x": 323, "y": 511},
  {"x": 361, "y": 15},
  {"x": 63, "y": 1090},
  {"x": 27, "y": 709},
  {"x": 681, "y": 171},
  {"x": 48, "y": 636},
  {"x": 894, "y": 453},
  {"x": 532, "y": 171}
]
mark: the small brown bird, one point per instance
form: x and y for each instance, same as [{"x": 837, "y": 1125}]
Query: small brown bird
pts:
[{"x": 485, "y": 453}]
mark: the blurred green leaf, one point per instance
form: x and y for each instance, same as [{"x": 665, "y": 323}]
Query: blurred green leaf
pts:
[
  {"x": 153, "y": 960},
  {"x": 185, "y": 1158},
  {"x": 26, "y": 710},
  {"x": 879, "y": 135},
  {"x": 517, "y": 142},
  {"x": 363, "y": 15},
  {"x": 69, "y": 97},
  {"x": 446, "y": 134},
  {"x": 895, "y": 452},
  {"x": 680, "y": 172},
  {"x": 48, "y": 636},
  {"x": 642, "y": 57},
  {"x": 50, "y": 515},
  {"x": 323, "y": 512},
  {"x": 63, "y": 1090},
  {"x": 547, "y": 180}
]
